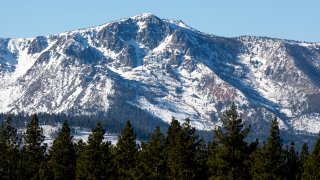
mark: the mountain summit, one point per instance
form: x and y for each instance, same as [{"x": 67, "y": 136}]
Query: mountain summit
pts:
[{"x": 158, "y": 68}]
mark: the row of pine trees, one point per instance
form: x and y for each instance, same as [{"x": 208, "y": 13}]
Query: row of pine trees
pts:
[{"x": 179, "y": 154}]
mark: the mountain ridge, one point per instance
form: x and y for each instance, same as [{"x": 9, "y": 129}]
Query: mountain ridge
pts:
[{"x": 163, "y": 68}]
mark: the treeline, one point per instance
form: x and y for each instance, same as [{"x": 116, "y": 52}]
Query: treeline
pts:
[
  {"x": 112, "y": 125},
  {"x": 178, "y": 154}
]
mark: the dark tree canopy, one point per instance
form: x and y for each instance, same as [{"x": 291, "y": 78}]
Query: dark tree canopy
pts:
[
  {"x": 152, "y": 162},
  {"x": 269, "y": 160},
  {"x": 33, "y": 151},
  {"x": 230, "y": 147},
  {"x": 177, "y": 154},
  {"x": 62, "y": 161},
  {"x": 9, "y": 151},
  {"x": 95, "y": 159},
  {"x": 126, "y": 153},
  {"x": 312, "y": 164}
]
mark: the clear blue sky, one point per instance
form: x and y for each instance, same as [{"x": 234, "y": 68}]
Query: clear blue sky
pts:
[{"x": 289, "y": 19}]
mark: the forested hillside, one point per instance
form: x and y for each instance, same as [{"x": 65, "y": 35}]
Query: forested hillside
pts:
[{"x": 179, "y": 153}]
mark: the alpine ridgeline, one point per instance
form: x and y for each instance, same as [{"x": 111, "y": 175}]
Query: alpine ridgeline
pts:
[{"x": 161, "y": 68}]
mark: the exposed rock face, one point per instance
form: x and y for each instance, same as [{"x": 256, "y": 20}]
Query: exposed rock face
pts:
[
  {"x": 163, "y": 68},
  {"x": 37, "y": 45}
]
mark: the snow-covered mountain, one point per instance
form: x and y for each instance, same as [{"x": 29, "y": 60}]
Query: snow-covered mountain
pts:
[{"x": 163, "y": 68}]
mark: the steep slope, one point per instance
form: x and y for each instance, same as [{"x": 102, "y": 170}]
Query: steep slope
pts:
[{"x": 156, "y": 68}]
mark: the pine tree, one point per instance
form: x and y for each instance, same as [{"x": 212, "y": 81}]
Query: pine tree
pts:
[
  {"x": 95, "y": 160},
  {"x": 34, "y": 150},
  {"x": 152, "y": 156},
  {"x": 79, "y": 148},
  {"x": 173, "y": 151},
  {"x": 62, "y": 161},
  {"x": 126, "y": 152},
  {"x": 212, "y": 165},
  {"x": 193, "y": 150},
  {"x": 312, "y": 164},
  {"x": 9, "y": 151},
  {"x": 44, "y": 172},
  {"x": 292, "y": 163},
  {"x": 269, "y": 160},
  {"x": 181, "y": 150},
  {"x": 201, "y": 160},
  {"x": 232, "y": 152},
  {"x": 304, "y": 155}
]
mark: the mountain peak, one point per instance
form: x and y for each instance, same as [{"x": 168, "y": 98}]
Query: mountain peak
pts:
[
  {"x": 160, "y": 68},
  {"x": 144, "y": 16}
]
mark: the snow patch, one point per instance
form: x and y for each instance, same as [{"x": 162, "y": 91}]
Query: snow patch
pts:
[
  {"x": 307, "y": 123},
  {"x": 161, "y": 47}
]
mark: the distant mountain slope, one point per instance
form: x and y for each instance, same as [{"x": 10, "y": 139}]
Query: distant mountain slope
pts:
[{"x": 156, "y": 68}]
